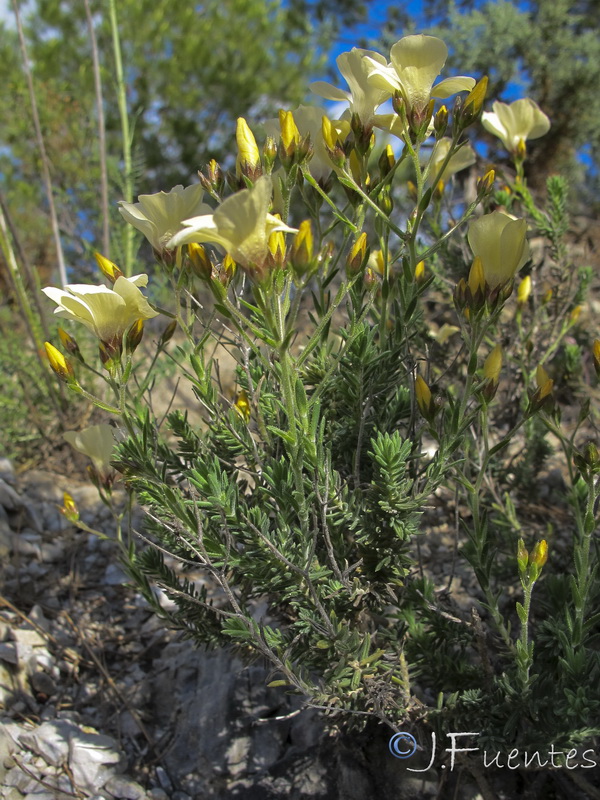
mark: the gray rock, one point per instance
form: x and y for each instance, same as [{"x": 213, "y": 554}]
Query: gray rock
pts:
[
  {"x": 8, "y": 684},
  {"x": 36, "y": 615},
  {"x": 8, "y": 497},
  {"x": 20, "y": 780},
  {"x": 7, "y": 470},
  {"x": 114, "y": 575},
  {"x": 52, "y": 552},
  {"x": 43, "y": 683},
  {"x": 6, "y": 537},
  {"x": 7, "y": 748},
  {"x": 164, "y": 779},
  {"x": 124, "y": 789},
  {"x": 157, "y": 794},
  {"x": 8, "y": 652}
]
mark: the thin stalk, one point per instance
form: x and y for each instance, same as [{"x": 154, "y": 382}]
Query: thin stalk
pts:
[
  {"x": 101, "y": 132},
  {"x": 27, "y": 312},
  {"x": 125, "y": 133},
  {"x": 31, "y": 275},
  {"x": 40, "y": 141},
  {"x": 525, "y": 667}
]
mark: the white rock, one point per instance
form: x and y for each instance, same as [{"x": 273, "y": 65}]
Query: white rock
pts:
[
  {"x": 50, "y": 741},
  {"x": 88, "y": 753}
]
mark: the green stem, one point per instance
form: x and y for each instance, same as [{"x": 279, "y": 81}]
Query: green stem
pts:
[
  {"x": 125, "y": 133},
  {"x": 309, "y": 179},
  {"x": 525, "y": 667}
]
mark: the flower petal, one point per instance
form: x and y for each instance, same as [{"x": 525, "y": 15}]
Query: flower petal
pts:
[
  {"x": 418, "y": 60},
  {"x": 450, "y": 86},
  {"x": 329, "y": 92},
  {"x": 96, "y": 442}
]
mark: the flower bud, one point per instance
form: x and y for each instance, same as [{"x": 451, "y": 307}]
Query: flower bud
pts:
[
  {"x": 332, "y": 143},
  {"x": 491, "y": 373},
  {"x": 539, "y": 555},
  {"x": 69, "y": 343},
  {"x": 214, "y": 179},
  {"x": 357, "y": 256},
  {"x": 440, "y": 122},
  {"x": 398, "y": 103},
  {"x": 485, "y": 184},
  {"x": 537, "y": 559},
  {"x": 424, "y": 399},
  {"x": 168, "y": 332},
  {"x": 269, "y": 154},
  {"x": 386, "y": 161},
  {"x": 110, "y": 353},
  {"x": 474, "y": 103},
  {"x": 522, "y": 557},
  {"x": 596, "y": 356},
  {"x": 228, "y": 270},
  {"x": 302, "y": 251},
  {"x": 587, "y": 460},
  {"x": 376, "y": 262},
  {"x": 420, "y": 272},
  {"x": 369, "y": 279},
  {"x": 69, "y": 508},
  {"x": 276, "y": 245},
  {"x": 290, "y": 135},
  {"x": 289, "y": 140},
  {"x": 524, "y": 290},
  {"x": 201, "y": 263},
  {"x": 134, "y": 336},
  {"x": 493, "y": 364},
  {"x": 476, "y": 282},
  {"x": 242, "y": 405},
  {"x": 542, "y": 397},
  {"x": 108, "y": 269},
  {"x": 61, "y": 365},
  {"x": 248, "y": 159},
  {"x": 543, "y": 381}
]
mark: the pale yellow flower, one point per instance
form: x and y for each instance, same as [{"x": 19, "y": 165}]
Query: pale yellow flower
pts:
[
  {"x": 240, "y": 226},
  {"x": 364, "y": 97},
  {"x": 516, "y": 122},
  {"x": 462, "y": 159},
  {"x": 416, "y": 61},
  {"x": 107, "y": 313},
  {"x": 499, "y": 240},
  {"x": 95, "y": 442},
  {"x": 159, "y": 216}
]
